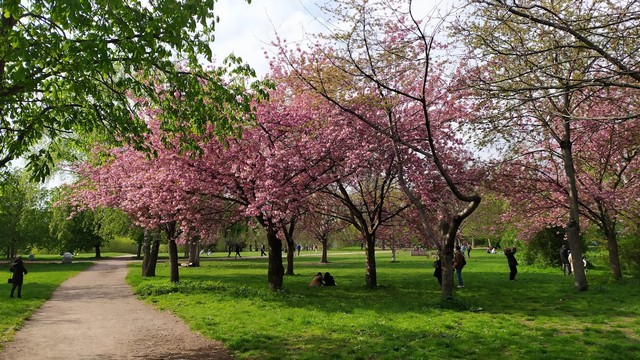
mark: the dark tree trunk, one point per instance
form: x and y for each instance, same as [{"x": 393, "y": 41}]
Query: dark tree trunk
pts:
[
  {"x": 153, "y": 258},
  {"x": 97, "y": 247},
  {"x": 324, "y": 242},
  {"x": 194, "y": 252},
  {"x": 288, "y": 230},
  {"x": 371, "y": 274},
  {"x": 290, "y": 254},
  {"x": 275, "y": 273},
  {"x": 173, "y": 261},
  {"x": 171, "y": 229},
  {"x": 146, "y": 249},
  {"x": 612, "y": 246}
]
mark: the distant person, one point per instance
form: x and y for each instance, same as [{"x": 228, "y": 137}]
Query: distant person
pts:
[
  {"x": 250, "y": 248},
  {"x": 513, "y": 263},
  {"x": 238, "y": 248},
  {"x": 468, "y": 251},
  {"x": 329, "y": 280},
  {"x": 564, "y": 260},
  {"x": 584, "y": 263},
  {"x": 458, "y": 263},
  {"x": 317, "y": 280},
  {"x": 18, "y": 270},
  {"x": 262, "y": 252},
  {"x": 437, "y": 272},
  {"x": 230, "y": 249},
  {"x": 299, "y": 247},
  {"x": 463, "y": 249}
]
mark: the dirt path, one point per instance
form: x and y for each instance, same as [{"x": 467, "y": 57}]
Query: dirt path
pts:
[{"x": 95, "y": 315}]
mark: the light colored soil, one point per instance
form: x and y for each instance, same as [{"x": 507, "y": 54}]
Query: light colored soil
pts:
[{"x": 95, "y": 315}]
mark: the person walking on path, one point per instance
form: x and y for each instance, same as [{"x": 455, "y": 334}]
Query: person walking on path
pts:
[
  {"x": 513, "y": 263},
  {"x": 18, "y": 270},
  {"x": 564, "y": 260},
  {"x": 262, "y": 252},
  {"x": 458, "y": 263},
  {"x": 238, "y": 251},
  {"x": 230, "y": 248}
]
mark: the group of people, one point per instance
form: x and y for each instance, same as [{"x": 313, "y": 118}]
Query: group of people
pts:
[
  {"x": 319, "y": 280},
  {"x": 459, "y": 262},
  {"x": 566, "y": 259}
]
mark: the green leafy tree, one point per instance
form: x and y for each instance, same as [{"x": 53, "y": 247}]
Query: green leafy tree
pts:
[
  {"x": 24, "y": 214},
  {"x": 76, "y": 230},
  {"x": 73, "y": 66}
]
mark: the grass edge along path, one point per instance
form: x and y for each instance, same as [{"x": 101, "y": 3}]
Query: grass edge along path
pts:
[
  {"x": 39, "y": 284},
  {"x": 539, "y": 316}
]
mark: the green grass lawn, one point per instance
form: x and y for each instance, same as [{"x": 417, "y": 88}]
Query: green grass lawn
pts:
[
  {"x": 540, "y": 316},
  {"x": 39, "y": 284}
]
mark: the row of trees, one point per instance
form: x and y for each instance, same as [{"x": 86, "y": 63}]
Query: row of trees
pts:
[{"x": 373, "y": 125}]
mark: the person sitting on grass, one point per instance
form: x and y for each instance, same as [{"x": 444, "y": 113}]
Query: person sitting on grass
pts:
[
  {"x": 329, "y": 280},
  {"x": 317, "y": 280}
]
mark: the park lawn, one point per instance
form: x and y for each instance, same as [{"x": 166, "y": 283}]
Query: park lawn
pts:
[
  {"x": 540, "y": 316},
  {"x": 39, "y": 284}
]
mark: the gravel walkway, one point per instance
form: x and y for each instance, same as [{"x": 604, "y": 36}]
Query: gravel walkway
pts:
[{"x": 95, "y": 315}]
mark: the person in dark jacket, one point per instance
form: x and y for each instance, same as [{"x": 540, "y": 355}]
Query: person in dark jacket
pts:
[
  {"x": 437, "y": 272},
  {"x": 513, "y": 263},
  {"x": 329, "y": 280},
  {"x": 564, "y": 259},
  {"x": 18, "y": 270}
]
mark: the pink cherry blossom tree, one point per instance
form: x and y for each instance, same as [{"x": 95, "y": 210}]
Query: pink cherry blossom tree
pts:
[
  {"x": 606, "y": 167},
  {"x": 380, "y": 67}
]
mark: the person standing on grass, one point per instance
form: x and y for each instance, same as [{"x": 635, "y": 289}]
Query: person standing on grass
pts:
[
  {"x": 513, "y": 263},
  {"x": 18, "y": 270},
  {"x": 564, "y": 260},
  {"x": 458, "y": 263},
  {"x": 262, "y": 252},
  {"x": 437, "y": 272}
]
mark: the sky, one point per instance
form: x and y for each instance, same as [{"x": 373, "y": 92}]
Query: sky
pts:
[{"x": 248, "y": 29}]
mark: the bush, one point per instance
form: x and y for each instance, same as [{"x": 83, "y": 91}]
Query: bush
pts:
[
  {"x": 543, "y": 249},
  {"x": 121, "y": 245},
  {"x": 629, "y": 250}
]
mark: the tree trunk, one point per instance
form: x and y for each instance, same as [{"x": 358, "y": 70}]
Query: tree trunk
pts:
[
  {"x": 194, "y": 252},
  {"x": 371, "y": 275},
  {"x": 288, "y": 230},
  {"x": 275, "y": 273},
  {"x": 573, "y": 227},
  {"x": 146, "y": 249},
  {"x": 323, "y": 259},
  {"x": 612, "y": 245},
  {"x": 173, "y": 261},
  {"x": 393, "y": 253},
  {"x": 290, "y": 253},
  {"x": 153, "y": 258},
  {"x": 97, "y": 247}
]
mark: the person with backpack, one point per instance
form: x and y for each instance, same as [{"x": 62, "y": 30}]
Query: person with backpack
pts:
[{"x": 458, "y": 263}]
